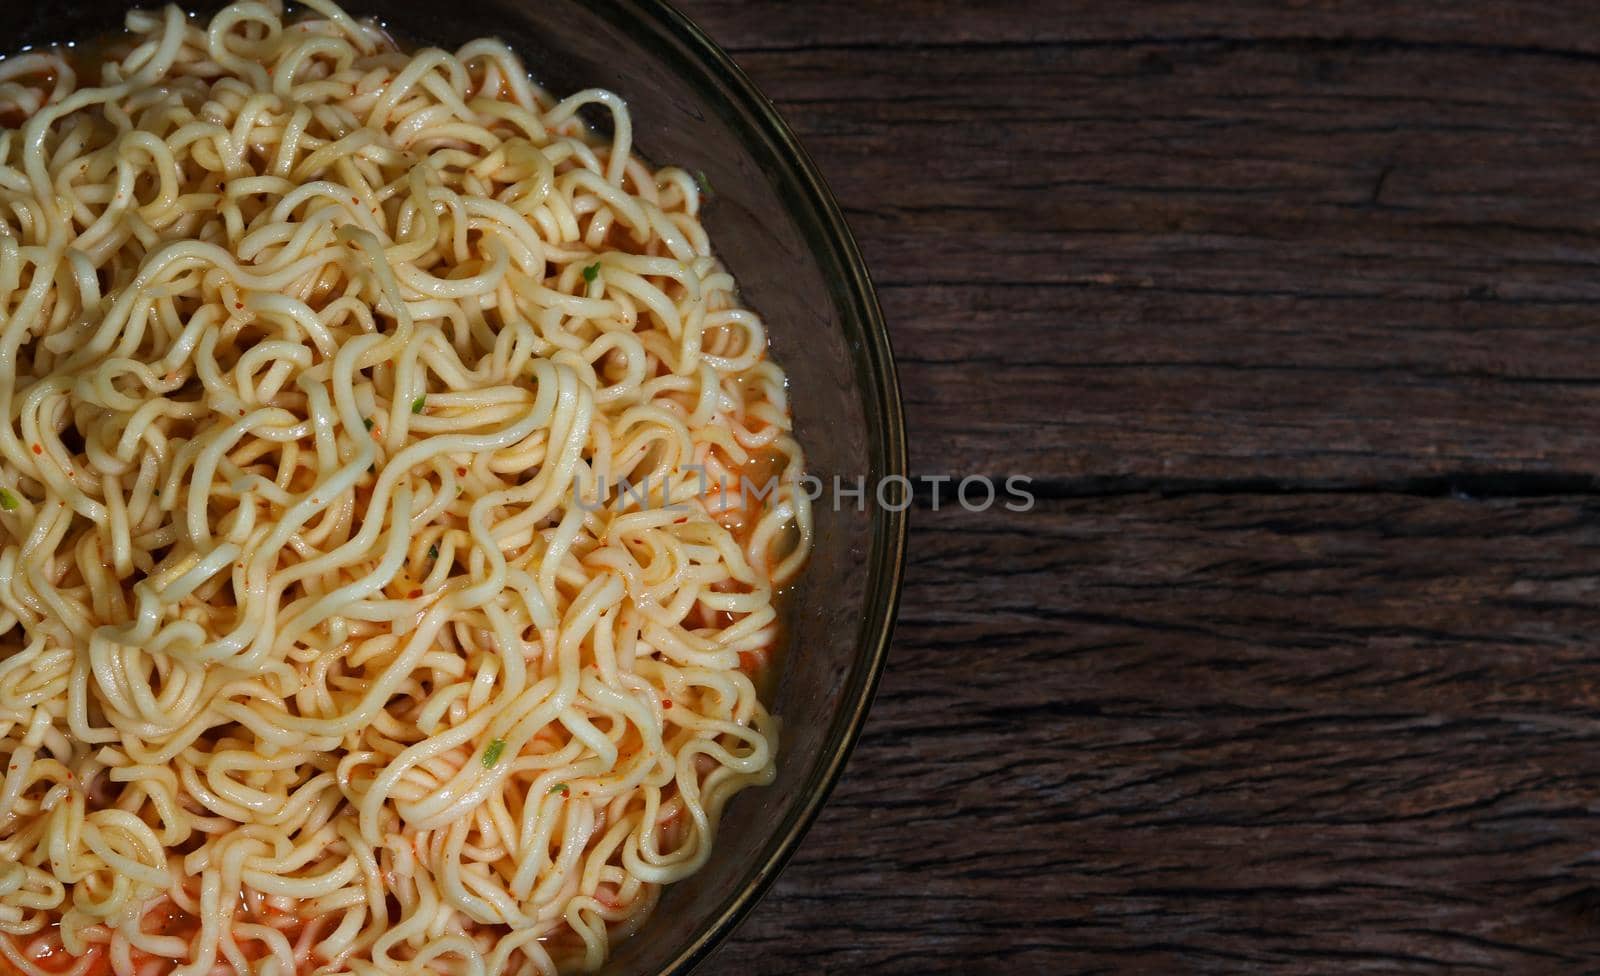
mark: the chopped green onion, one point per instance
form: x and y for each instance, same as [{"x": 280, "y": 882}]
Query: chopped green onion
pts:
[
  {"x": 704, "y": 183},
  {"x": 8, "y": 501},
  {"x": 433, "y": 552},
  {"x": 491, "y": 754},
  {"x": 419, "y": 403},
  {"x": 559, "y": 788},
  {"x": 366, "y": 422},
  {"x": 591, "y": 272}
]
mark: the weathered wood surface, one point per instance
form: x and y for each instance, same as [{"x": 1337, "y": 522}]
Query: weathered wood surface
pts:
[{"x": 1293, "y": 310}]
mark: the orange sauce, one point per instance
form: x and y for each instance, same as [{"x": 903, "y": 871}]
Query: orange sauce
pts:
[
  {"x": 735, "y": 505},
  {"x": 165, "y": 918},
  {"x": 52, "y": 958}
]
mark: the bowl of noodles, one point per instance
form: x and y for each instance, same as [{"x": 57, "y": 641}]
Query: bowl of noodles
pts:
[{"x": 438, "y": 511}]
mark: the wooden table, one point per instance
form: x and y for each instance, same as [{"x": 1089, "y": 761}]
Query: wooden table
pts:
[{"x": 1292, "y": 311}]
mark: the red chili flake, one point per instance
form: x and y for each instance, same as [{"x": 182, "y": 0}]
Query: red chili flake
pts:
[
  {"x": 38, "y": 449},
  {"x": 414, "y": 594},
  {"x": 665, "y": 703},
  {"x": 461, "y": 472}
]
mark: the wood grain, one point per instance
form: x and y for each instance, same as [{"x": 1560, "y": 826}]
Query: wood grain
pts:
[
  {"x": 1291, "y": 311},
  {"x": 1226, "y": 250},
  {"x": 1300, "y": 733}
]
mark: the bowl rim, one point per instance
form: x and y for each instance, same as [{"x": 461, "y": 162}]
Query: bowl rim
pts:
[{"x": 797, "y": 177}]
